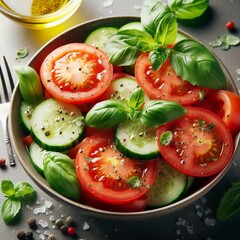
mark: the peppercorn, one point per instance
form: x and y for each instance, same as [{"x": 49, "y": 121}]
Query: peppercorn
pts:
[
  {"x": 69, "y": 221},
  {"x": 51, "y": 237},
  {"x": 21, "y": 235},
  {"x": 29, "y": 236},
  {"x": 59, "y": 222},
  {"x": 64, "y": 229},
  {"x": 2, "y": 163},
  {"x": 230, "y": 25},
  {"x": 32, "y": 223},
  {"x": 71, "y": 231}
]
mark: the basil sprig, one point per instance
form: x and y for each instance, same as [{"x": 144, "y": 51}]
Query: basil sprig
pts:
[
  {"x": 16, "y": 195},
  {"x": 112, "y": 112},
  {"x": 190, "y": 59}
]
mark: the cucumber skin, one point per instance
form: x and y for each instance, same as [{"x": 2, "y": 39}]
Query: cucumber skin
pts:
[{"x": 134, "y": 155}]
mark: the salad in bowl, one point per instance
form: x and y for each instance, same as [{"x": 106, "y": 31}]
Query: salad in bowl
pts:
[{"x": 126, "y": 116}]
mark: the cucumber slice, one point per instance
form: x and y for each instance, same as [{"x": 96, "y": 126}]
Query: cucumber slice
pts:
[
  {"x": 36, "y": 155},
  {"x": 136, "y": 140},
  {"x": 56, "y": 126},
  {"x": 132, "y": 25},
  {"x": 99, "y": 36},
  {"x": 26, "y": 111},
  {"x": 122, "y": 88},
  {"x": 168, "y": 187}
]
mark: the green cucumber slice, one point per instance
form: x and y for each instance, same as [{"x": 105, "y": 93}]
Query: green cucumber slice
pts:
[
  {"x": 132, "y": 25},
  {"x": 136, "y": 140},
  {"x": 99, "y": 36},
  {"x": 26, "y": 111},
  {"x": 36, "y": 155},
  {"x": 56, "y": 126},
  {"x": 168, "y": 187}
]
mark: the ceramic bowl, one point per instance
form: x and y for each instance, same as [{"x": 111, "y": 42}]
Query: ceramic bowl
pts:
[
  {"x": 78, "y": 34},
  {"x": 41, "y": 21}
]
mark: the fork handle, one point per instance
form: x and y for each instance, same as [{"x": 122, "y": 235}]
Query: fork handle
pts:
[{"x": 11, "y": 155}]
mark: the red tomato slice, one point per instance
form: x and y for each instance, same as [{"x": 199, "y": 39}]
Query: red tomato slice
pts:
[
  {"x": 226, "y": 105},
  {"x": 103, "y": 171},
  {"x": 201, "y": 143},
  {"x": 134, "y": 206},
  {"x": 164, "y": 84},
  {"x": 76, "y": 73}
]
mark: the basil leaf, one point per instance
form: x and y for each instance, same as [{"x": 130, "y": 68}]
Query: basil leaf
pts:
[
  {"x": 158, "y": 112},
  {"x": 59, "y": 170},
  {"x": 24, "y": 192},
  {"x": 22, "y": 53},
  {"x": 29, "y": 84},
  {"x": 11, "y": 211},
  {"x": 197, "y": 65},
  {"x": 134, "y": 182},
  {"x": 7, "y": 187},
  {"x": 119, "y": 52},
  {"x": 166, "y": 138},
  {"x": 188, "y": 9},
  {"x": 136, "y": 98},
  {"x": 166, "y": 32},
  {"x": 135, "y": 37},
  {"x": 158, "y": 57},
  {"x": 229, "y": 203},
  {"x": 106, "y": 114},
  {"x": 152, "y": 13}
]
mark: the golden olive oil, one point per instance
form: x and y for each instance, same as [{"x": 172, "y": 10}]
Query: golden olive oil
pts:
[{"x": 33, "y": 7}]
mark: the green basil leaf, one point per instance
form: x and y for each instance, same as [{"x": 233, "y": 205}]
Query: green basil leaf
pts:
[
  {"x": 152, "y": 13},
  {"x": 166, "y": 138},
  {"x": 22, "y": 53},
  {"x": 24, "y": 192},
  {"x": 119, "y": 52},
  {"x": 158, "y": 112},
  {"x": 29, "y": 84},
  {"x": 188, "y": 9},
  {"x": 136, "y": 98},
  {"x": 11, "y": 211},
  {"x": 229, "y": 203},
  {"x": 7, "y": 187},
  {"x": 197, "y": 65},
  {"x": 166, "y": 32},
  {"x": 158, "y": 57},
  {"x": 59, "y": 171},
  {"x": 137, "y": 38},
  {"x": 134, "y": 182},
  {"x": 106, "y": 114}
]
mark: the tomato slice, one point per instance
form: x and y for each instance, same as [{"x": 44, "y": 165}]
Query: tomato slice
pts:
[
  {"x": 226, "y": 105},
  {"x": 164, "y": 84},
  {"x": 76, "y": 73},
  {"x": 201, "y": 144},
  {"x": 104, "y": 172}
]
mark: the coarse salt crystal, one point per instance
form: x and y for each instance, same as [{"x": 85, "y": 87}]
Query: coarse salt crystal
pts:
[
  {"x": 108, "y": 3},
  {"x": 86, "y": 226},
  {"x": 210, "y": 221},
  {"x": 39, "y": 210},
  {"x": 43, "y": 223}
]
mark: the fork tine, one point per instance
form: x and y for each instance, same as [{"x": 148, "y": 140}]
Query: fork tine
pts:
[
  {"x": 11, "y": 81},
  {"x": 4, "y": 86}
]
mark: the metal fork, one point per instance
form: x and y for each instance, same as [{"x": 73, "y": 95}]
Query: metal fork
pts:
[{"x": 5, "y": 99}]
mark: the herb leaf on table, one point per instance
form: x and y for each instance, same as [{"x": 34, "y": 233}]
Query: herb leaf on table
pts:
[{"x": 230, "y": 202}]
